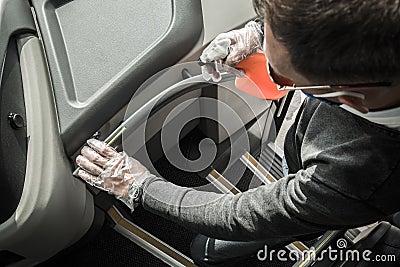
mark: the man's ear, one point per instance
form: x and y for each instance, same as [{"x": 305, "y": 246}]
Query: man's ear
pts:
[{"x": 354, "y": 102}]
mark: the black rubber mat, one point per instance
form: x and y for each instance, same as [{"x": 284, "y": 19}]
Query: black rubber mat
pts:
[
  {"x": 108, "y": 248},
  {"x": 7, "y": 257}
]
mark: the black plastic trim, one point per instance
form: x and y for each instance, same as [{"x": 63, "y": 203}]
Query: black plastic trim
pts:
[{"x": 13, "y": 145}]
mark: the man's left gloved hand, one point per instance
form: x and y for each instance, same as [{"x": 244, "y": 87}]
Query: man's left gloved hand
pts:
[
  {"x": 230, "y": 48},
  {"x": 111, "y": 171}
]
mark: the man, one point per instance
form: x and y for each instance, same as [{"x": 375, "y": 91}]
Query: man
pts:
[{"x": 344, "y": 161}]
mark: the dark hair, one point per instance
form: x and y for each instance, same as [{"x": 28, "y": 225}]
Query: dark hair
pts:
[{"x": 338, "y": 40}]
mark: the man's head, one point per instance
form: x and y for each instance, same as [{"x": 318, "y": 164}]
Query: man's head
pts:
[{"x": 334, "y": 42}]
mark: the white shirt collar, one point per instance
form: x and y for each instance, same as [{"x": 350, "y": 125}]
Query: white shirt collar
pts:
[{"x": 388, "y": 117}]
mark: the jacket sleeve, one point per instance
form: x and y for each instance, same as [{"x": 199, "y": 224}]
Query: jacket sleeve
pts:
[{"x": 294, "y": 205}]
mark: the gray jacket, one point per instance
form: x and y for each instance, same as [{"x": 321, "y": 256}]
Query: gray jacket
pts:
[{"x": 345, "y": 172}]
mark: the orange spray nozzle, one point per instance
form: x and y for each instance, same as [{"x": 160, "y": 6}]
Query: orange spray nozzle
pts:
[{"x": 257, "y": 83}]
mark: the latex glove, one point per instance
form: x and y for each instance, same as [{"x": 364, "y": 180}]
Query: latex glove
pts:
[
  {"x": 230, "y": 48},
  {"x": 105, "y": 168}
]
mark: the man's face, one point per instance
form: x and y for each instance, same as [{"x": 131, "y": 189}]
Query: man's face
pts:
[{"x": 279, "y": 59}]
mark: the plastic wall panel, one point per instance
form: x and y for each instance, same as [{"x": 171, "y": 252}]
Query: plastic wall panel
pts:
[
  {"x": 101, "y": 40},
  {"x": 100, "y": 52}
]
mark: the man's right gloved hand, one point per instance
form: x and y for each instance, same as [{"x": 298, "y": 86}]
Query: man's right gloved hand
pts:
[
  {"x": 230, "y": 48},
  {"x": 111, "y": 171}
]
